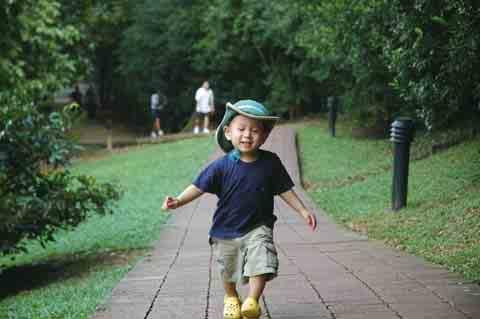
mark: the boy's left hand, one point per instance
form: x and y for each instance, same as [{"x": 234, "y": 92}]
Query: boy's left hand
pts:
[
  {"x": 170, "y": 203},
  {"x": 311, "y": 221}
]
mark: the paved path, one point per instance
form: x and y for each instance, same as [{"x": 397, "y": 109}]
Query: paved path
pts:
[{"x": 330, "y": 273}]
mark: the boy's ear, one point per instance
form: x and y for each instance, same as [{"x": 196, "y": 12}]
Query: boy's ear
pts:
[{"x": 226, "y": 131}]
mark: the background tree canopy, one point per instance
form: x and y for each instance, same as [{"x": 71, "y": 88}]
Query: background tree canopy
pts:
[
  {"x": 384, "y": 58},
  {"x": 38, "y": 195}
]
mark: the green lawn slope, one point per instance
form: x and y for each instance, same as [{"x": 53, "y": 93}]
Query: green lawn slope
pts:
[
  {"x": 69, "y": 278},
  {"x": 351, "y": 179}
]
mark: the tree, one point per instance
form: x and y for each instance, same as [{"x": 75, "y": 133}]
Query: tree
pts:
[
  {"x": 433, "y": 51},
  {"x": 347, "y": 39},
  {"x": 38, "y": 194},
  {"x": 157, "y": 51},
  {"x": 243, "y": 34},
  {"x": 35, "y": 45}
]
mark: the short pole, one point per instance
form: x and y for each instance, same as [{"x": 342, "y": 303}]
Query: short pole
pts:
[
  {"x": 402, "y": 131},
  {"x": 332, "y": 114},
  {"x": 109, "y": 135}
]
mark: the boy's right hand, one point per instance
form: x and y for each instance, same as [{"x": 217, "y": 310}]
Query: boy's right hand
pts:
[{"x": 170, "y": 203}]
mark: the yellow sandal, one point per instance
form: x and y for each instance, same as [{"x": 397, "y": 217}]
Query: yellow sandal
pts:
[
  {"x": 251, "y": 309},
  {"x": 231, "y": 308}
]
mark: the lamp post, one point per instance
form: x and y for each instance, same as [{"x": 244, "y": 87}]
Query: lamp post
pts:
[
  {"x": 109, "y": 125},
  {"x": 402, "y": 132},
  {"x": 332, "y": 114}
]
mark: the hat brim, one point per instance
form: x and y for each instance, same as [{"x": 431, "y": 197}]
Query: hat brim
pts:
[
  {"x": 258, "y": 117},
  {"x": 230, "y": 112}
]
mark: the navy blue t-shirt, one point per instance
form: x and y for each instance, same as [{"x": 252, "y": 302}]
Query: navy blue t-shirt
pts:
[{"x": 245, "y": 192}]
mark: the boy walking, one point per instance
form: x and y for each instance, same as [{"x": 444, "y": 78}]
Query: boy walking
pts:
[{"x": 245, "y": 180}]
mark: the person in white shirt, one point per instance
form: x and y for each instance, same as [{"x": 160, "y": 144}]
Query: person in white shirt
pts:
[
  {"x": 157, "y": 104},
  {"x": 204, "y": 107}
]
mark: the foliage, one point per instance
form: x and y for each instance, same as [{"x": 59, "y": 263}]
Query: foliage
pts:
[
  {"x": 35, "y": 45},
  {"x": 347, "y": 38},
  {"x": 38, "y": 195},
  {"x": 386, "y": 58},
  {"x": 156, "y": 53},
  {"x": 103, "y": 23},
  {"x": 433, "y": 49},
  {"x": 259, "y": 33}
]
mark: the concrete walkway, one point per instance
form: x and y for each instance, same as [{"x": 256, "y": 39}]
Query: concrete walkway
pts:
[{"x": 330, "y": 273}]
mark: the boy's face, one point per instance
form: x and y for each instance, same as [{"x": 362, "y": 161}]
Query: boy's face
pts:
[{"x": 246, "y": 134}]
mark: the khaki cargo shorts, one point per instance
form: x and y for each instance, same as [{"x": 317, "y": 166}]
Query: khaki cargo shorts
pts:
[{"x": 251, "y": 255}]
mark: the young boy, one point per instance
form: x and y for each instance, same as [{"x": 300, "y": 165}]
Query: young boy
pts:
[{"x": 245, "y": 181}]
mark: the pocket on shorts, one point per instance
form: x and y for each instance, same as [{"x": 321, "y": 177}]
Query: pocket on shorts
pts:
[
  {"x": 263, "y": 249},
  {"x": 271, "y": 255}
]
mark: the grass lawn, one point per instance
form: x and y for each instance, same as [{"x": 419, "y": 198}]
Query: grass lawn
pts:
[
  {"x": 70, "y": 277},
  {"x": 351, "y": 179}
]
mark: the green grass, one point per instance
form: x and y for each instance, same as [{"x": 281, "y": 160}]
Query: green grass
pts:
[
  {"x": 73, "y": 275},
  {"x": 351, "y": 179}
]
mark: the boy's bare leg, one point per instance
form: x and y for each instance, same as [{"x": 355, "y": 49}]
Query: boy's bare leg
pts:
[
  {"x": 230, "y": 289},
  {"x": 257, "y": 284},
  {"x": 206, "y": 121}
]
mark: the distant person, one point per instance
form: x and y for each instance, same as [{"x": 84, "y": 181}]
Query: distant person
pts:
[
  {"x": 91, "y": 102},
  {"x": 245, "y": 180},
  {"x": 158, "y": 101},
  {"x": 76, "y": 96},
  {"x": 204, "y": 107}
]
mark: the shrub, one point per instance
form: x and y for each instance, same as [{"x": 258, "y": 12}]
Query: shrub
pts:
[{"x": 38, "y": 194}]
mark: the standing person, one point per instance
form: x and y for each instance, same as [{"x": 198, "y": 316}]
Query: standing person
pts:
[
  {"x": 245, "y": 181},
  {"x": 204, "y": 107},
  {"x": 158, "y": 101}
]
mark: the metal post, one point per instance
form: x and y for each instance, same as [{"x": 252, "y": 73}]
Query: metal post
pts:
[
  {"x": 332, "y": 114},
  {"x": 109, "y": 135},
  {"x": 401, "y": 135}
]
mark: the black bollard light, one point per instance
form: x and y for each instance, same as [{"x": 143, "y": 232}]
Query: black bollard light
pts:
[
  {"x": 332, "y": 114},
  {"x": 402, "y": 131}
]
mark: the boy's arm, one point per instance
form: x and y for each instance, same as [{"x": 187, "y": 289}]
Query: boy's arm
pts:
[
  {"x": 292, "y": 199},
  {"x": 189, "y": 194}
]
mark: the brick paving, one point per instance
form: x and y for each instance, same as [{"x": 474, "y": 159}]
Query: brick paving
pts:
[{"x": 330, "y": 273}]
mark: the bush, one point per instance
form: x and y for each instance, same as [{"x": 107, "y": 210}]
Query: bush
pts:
[{"x": 38, "y": 194}]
